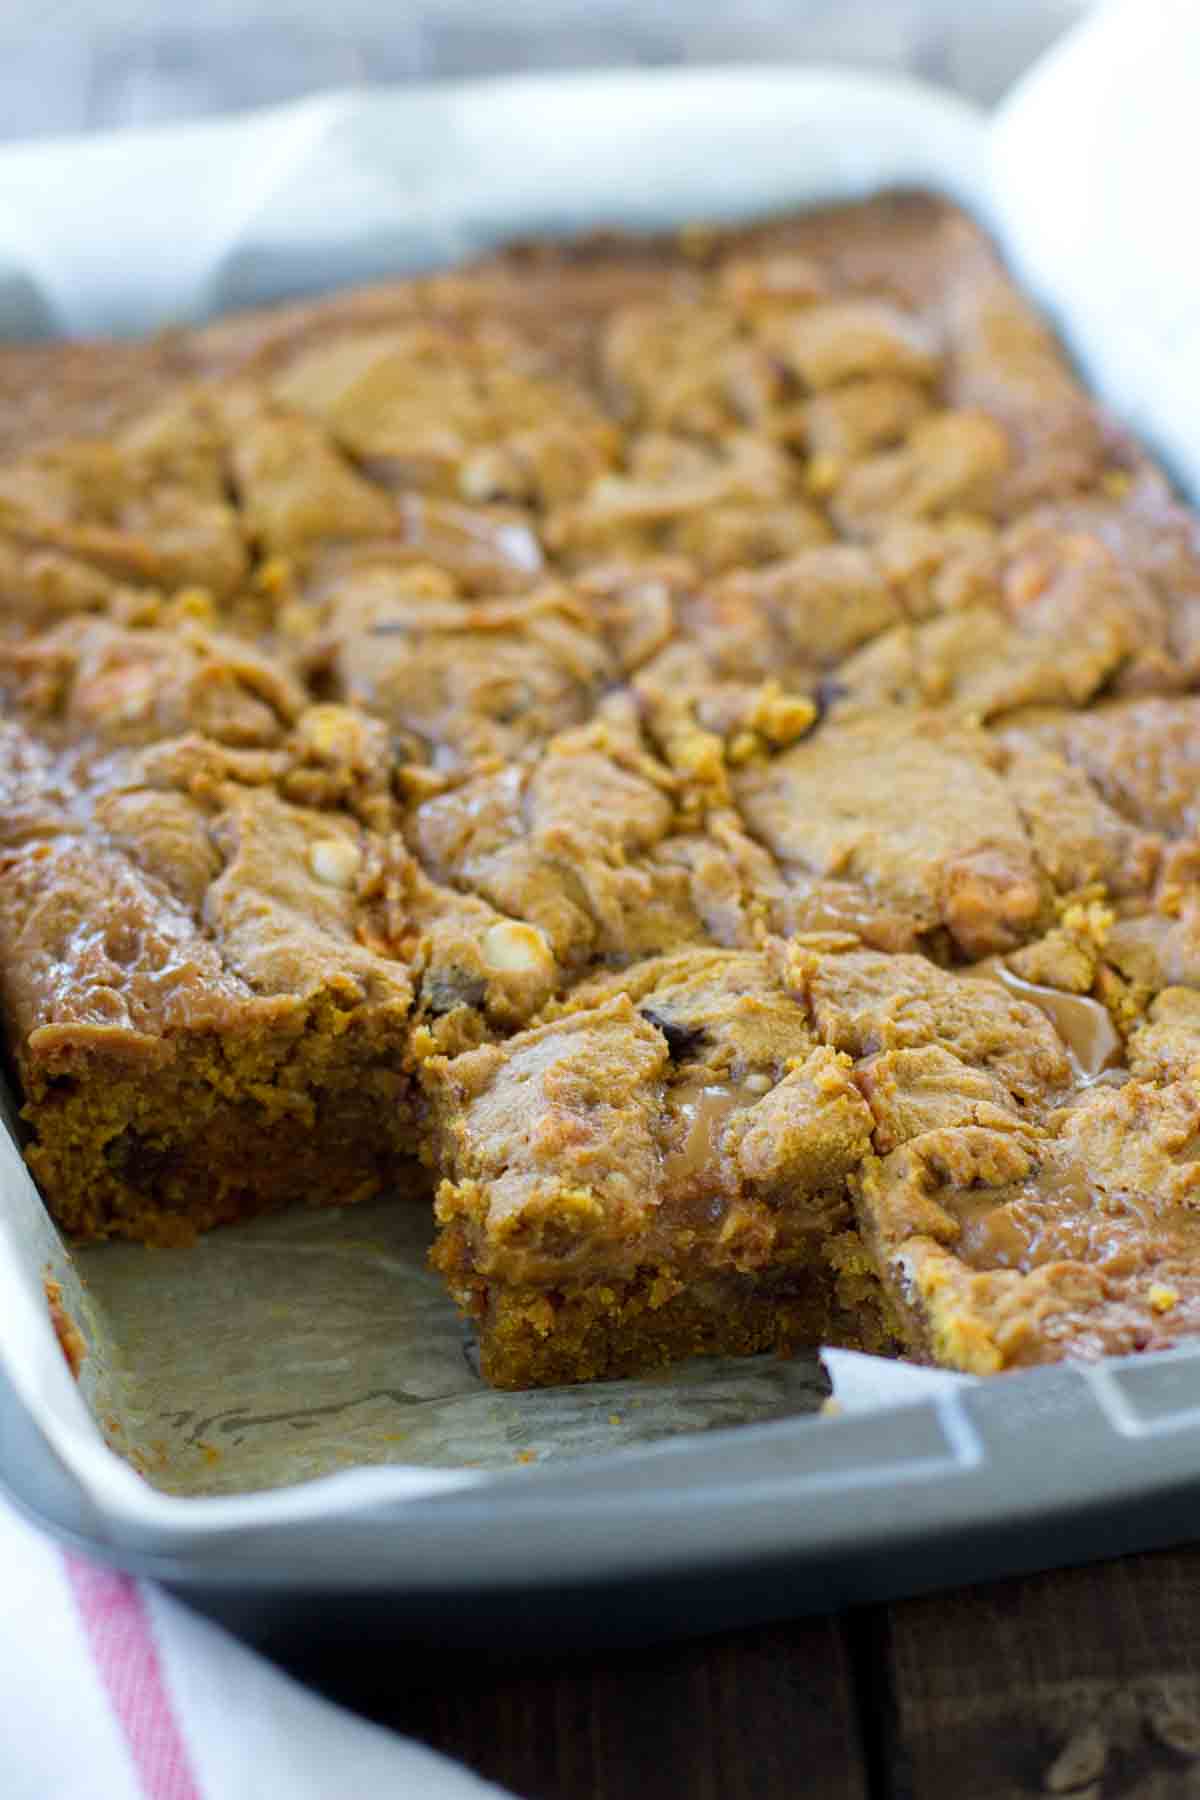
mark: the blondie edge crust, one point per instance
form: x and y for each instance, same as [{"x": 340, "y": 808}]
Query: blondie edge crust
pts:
[{"x": 686, "y": 750}]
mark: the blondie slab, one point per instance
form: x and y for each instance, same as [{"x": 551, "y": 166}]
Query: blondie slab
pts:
[{"x": 688, "y": 747}]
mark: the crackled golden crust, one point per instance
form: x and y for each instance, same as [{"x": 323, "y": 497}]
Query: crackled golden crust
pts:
[
  {"x": 1005, "y": 1244},
  {"x": 658, "y": 1170},
  {"x": 695, "y": 739}
]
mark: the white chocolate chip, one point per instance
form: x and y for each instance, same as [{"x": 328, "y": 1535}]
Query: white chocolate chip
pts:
[
  {"x": 516, "y": 949},
  {"x": 134, "y": 695},
  {"x": 492, "y": 474},
  {"x": 335, "y": 861},
  {"x": 329, "y": 731},
  {"x": 758, "y": 1083}
]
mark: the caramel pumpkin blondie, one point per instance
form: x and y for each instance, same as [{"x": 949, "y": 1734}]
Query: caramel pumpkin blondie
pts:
[{"x": 689, "y": 749}]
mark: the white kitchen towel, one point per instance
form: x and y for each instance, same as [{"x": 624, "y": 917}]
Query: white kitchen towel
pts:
[{"x": 113, "y": 1691}]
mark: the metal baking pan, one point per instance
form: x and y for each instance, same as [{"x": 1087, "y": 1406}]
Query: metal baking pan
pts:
[{"x": 945, "y": 1481}]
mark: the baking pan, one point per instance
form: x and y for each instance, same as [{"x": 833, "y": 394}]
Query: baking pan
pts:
[{"x": 598, "y": 1514}]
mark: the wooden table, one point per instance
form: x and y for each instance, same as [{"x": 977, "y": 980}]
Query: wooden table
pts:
[{"x": 1084, "y": 1682}]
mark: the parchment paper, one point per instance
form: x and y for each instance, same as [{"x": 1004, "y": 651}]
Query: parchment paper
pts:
[
  {"x": 318, "y": 1340},
  {"x": 284, "y": 1350}
]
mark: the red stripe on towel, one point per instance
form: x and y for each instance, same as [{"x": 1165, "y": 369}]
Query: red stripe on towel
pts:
[{"x": 122, "y": 1644}]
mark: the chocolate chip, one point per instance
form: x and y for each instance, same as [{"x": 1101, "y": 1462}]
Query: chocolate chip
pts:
[
  {"x": 683, "y": 1041},
  {"x": 444, "y": 989},
  {"x": 827, "y": 693},
  {"x": 134, "y": 1158}
]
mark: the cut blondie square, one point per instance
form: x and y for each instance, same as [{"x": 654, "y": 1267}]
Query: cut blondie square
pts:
[
  {"x": 658, "y": 1172},
  {"x": 213, "y": 990},
  {"x": 669, "y": 1165},
  {"x": 1007, "y": 1243}
]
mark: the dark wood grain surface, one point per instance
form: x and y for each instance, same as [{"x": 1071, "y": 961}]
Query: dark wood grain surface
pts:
[
  {"x": 731, "y": 1718},
  {"x": 1084, "y": 1682}
]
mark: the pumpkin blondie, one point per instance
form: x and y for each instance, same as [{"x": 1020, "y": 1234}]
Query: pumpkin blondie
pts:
[{"x": 685, "y": 749}]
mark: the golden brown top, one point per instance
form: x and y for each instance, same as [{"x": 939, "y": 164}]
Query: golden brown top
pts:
[{"x": 465, "y": 646}]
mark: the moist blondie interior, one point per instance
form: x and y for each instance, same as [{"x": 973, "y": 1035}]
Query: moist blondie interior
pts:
[{"x": 682, "y": 753}]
